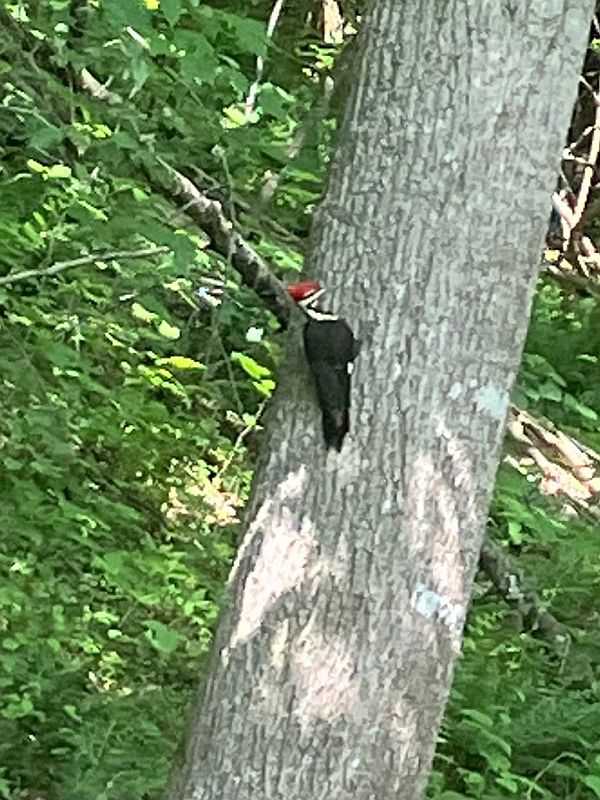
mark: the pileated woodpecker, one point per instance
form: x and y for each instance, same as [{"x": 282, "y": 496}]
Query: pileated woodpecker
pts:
[{"x": 330, "y": 349}]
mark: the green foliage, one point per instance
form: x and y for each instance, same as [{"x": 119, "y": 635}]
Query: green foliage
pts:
[{"x": 131, "y": 410}]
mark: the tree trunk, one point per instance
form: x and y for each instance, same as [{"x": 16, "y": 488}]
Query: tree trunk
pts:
[{"x": 345, "y": 610}]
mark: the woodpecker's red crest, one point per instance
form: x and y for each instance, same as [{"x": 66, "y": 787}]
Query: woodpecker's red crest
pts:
[{"x": 300, "y": 292}]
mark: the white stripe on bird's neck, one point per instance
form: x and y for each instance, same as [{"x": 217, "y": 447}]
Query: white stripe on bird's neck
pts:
[{"x": 320, "y": 316}]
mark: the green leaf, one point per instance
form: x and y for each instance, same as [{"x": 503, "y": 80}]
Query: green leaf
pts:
[
  {"x": 275, "y": 101},
  {"x": 250, "y": 366},
  {"x": 123, "y": 13},
  {"x": 168, "y": 331},
  {"x": 171, "y": 10},
  {"x": 140, "y": 70},
  {"x": 164, "y": 639},
  {"x": 180, "y": 362},
  {"x": 265, "y": 387},
  {"x": 47, "y": 136},
  {"x": 508, "y": 783},
  {"x": 550, "y": 391},
  {"x": 593, "y": 783},
  {"x": 59, "y": 172},
  {"x": 17, "y": 708},
  {"x": 585, "y": 411},
  {"x": 139, "y": 312},
  {"x": 250, "y": 33},
  {"x": 479, "y": 716},
  {"x": 35, "y": 166},
  {"x": 234, "y": 117},
  {"x": 515, "y": 531},
  {"x": 199, "y": 61},
  {"x": 124, "y": 140},
  {"x": 71, "y": 711}
]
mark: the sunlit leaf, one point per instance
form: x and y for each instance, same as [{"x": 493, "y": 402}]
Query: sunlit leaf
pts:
[
  {"x": 181, "y": 362},
  {"x": 250, "y": 366},
  {"x": 168, "y": 331},
  {"x": 139, "y": 312}
]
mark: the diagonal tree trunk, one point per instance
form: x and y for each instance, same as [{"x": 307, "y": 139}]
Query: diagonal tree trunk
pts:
[{"x": 345, "y": 611}]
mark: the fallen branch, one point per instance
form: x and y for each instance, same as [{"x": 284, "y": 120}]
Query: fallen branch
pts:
[
  {"x": 61, "y": 266},
  {"x": 518, "y": 593},
  {"x": 567, "y": 468}
]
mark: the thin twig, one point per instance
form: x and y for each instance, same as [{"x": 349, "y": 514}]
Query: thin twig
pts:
[
  {"x": 98, "y": 90},
  {"x": 564, "y": 210},
  {"x": 61, "y": 266},
  {"x": 208, "y": 183},
  {"x": 565, "y": 754},
  {"x": 230, "y": 204},
  {"x": 240, "y": 439},
  {"x": 569, "y": 150},
  {"x": 260, "y": 62}
]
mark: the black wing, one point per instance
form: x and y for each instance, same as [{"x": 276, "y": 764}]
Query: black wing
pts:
[{"x": 330, "y": 348}]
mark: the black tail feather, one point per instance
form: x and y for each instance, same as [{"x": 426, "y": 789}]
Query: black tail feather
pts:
[
  {"x": 335, "y": 427},
  {"x": 333, "y": 392}
]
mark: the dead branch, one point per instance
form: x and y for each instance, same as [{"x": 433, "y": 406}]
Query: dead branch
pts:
[
  {"x": 224, "y": 239},
  {"x": 566, "y": 467}
]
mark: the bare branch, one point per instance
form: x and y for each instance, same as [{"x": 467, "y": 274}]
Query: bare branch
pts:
[
  {"x": 260, "y": 62},
  {"x": 61, "y": 266},
  {"x": 566, "y": 467}
]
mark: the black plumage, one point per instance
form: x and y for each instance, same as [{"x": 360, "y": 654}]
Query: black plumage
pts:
[{"x": 330, "y": 349}]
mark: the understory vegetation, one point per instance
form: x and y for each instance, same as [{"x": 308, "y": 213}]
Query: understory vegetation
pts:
[{"x": 134, "y": 382}]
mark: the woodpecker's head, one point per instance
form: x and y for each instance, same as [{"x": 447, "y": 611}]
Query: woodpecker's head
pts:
[{"x": 306, "y": 293}]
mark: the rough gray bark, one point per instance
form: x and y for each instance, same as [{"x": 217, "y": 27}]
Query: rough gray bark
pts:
[{"x": 334, "y": 654}]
